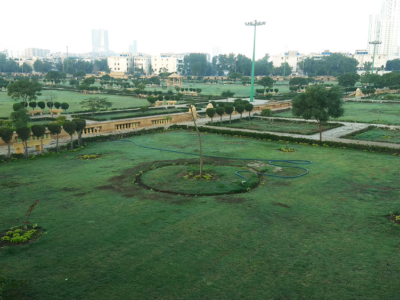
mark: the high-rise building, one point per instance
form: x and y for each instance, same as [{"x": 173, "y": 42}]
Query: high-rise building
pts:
[
  {"x": 217, "y": 51},
  {"x": 100, "y": 41},
  {"x": 133, "y": 48},
  {"x": 385, "y": 29},
  {"x": 35, "y": 52}
]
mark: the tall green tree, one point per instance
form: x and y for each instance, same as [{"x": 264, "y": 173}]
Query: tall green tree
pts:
[
  {"x": 229, "y": 110},
  {"x": 319, "y": 103},
  {"x": 53, "y": 76},
  {"x": 95, "y": 104},
  {"x": 39, "y": 131},
  {"x": 25, "y": 90},
  {"x": 240, "y": 109},
  {"x": 220, "y": 112},
  {"x": 196, "y": 63},
  {"x": 20, "y": 118},
  {"x": 393, "y": 65},
  {"x": 348, "y": 79},
  {"x": 55, "y": 129},
  {"x": 70, "y": 128},
  {"x": 6, "y": 134},
  {"x": 80, "y": 125},
  {"x": 248, "y": 107},
  {"x": 266, "y": 82},
  {"x": 24, "y": 133},
  {"x": 210, "y": 113}
]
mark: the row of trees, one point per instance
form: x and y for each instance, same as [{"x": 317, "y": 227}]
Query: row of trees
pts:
[
  {"x": 221, "y": 108},
  {"x": 386, "y": 80}
]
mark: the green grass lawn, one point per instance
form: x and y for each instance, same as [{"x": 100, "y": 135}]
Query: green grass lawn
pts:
[
  {"x": 321, "y": 236},
  {"x": 288, "y": 126},
  {"x": 73, "y": 99},
  {"x": 379, "y": 135},
  {"x": 377, "y": 113}
]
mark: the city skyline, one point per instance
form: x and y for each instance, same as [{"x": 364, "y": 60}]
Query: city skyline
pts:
[{"x": 305, "y": 27}]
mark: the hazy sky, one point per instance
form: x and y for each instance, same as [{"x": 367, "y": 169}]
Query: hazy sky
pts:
[{"x": 188, "y": 26}]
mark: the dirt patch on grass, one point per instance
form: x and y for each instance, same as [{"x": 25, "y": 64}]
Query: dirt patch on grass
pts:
[
  {"x": 67, "y": 189},
  {"x": 395, "y": 218},
  {"x": 232, "y": 200},
  {"x": 280, "y": 204},
  {"x": 80, "y": 194},
  {"x": 11, "y": 184}
]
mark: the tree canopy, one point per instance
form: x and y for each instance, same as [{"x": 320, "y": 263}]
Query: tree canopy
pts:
[
  {"x": 334, "y": 65},
  {"x": 348, "y": 79},
  {"x": 319, "y": 103},
  {"x": 95, "y": 104},
  {"x": 393, "y": 65},
  {"x": 24, "y": 89}
]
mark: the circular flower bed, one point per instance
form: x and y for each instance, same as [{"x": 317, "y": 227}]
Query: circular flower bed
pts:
[{"x": 185, "y": 179}]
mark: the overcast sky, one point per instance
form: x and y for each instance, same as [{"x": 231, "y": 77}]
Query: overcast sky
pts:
[{"x": 188, "y": 26}]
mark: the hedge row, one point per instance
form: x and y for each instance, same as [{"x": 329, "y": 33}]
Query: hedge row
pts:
[{"x": 302, "y": 141}]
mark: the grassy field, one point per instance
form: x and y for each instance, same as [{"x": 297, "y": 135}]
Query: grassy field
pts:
[
  {"x": 379, "y": 135},
  {"x": 73, "y": 99},
  {"x": 322, "y": 236},
  {"x": 275, "y": 126},
  {"x": 376, "y": 113}
]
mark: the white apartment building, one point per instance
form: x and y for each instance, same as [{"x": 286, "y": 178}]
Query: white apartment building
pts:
[
  {"x": 142, "y": 62},
  {"x": 292, "y": 58},
  {"x": 35, "y": 52},
  {"x": 385, "y": 29},
  {"x": 122, "y": 63},
  {"x": 162, "y": 64},
  {"x": 363, "y": 56}
]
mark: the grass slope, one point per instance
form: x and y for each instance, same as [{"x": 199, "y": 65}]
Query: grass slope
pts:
[{"x": 322, "y": 236}]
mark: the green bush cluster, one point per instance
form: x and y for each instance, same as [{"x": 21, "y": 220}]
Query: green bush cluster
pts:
[{"x": 18, "y": 236}]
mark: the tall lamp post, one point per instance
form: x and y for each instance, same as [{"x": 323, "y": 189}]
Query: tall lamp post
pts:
[
  {"x": 373, "y": 59},
  {"x": 255, "y": 24}
]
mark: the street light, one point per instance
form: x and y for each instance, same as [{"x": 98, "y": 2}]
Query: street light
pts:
[
  {"x": 255, "y": 24},
  {"x": 373, "y": 60}
]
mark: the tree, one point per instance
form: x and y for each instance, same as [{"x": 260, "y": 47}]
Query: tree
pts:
[
  {"x": 6, "y": 134},
  {"x": 248, "y": 107},
  {"x": 57, "y": 105},
  {"x": 25, "y": 90},
  {"x": 367, "y": 66},
  {"x": 348, "y": 79},
  {"x": 235, "y": 76},
  {"x": 64, "y": 106},
  {"x": 196, "y": 64},
  {"x": 152, "y": 100},
  {"x": 393, "y": 65},
  {"x": 95, "y": 104},
  {"x": 227, "y": 94},
  {"x": 211, "y": 113},
  {"x": 280, "y": 71},
  {"x": 70, "y": 128},
  {"x": 53, "y": 76},
  {"x": 229, "y": 110},
  {"x": 54, "y": 128},
  {"x": 38, "y": 131},
  {"x": 240, "y": 109},
  {"x": 32, "y": 104},
  {"x": 319, "y": 103},
  {"x": 276, "y": 91},
  {"x": 17, "y": 106},
  {"x": 24, "y": 133},
  {"x": 144, "y": 108},
  {"x": 20, "y": 118},
  {"x": 245, "y": 80},
  {"x": 80, "y": 125},
  {"x": 26, "y": 68},
  {"x": 266, "y": 82},
  {"x": 266, "y": 112},
  {"x": 220, "y": 112},
  {"x": 41, "y": 104}
]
